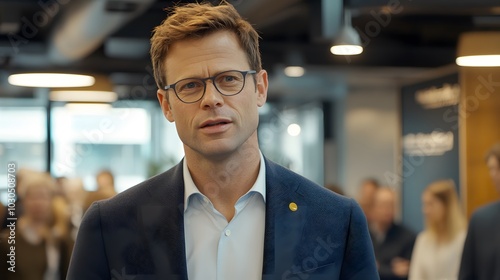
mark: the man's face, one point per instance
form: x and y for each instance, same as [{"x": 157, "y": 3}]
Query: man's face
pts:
[
  {"x": 37, "y": 203},
  {"x": 216, "y": 125},
  {"x": 494, "y": 168},
  {"x": 366, "y": 196},
  {"x": 383, "y": 207}
]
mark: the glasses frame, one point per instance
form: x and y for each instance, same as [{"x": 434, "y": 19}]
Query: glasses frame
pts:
[{"x": 204, "y": 81}]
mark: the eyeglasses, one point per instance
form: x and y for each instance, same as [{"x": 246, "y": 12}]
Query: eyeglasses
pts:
[{"x": 227, "y": 83}]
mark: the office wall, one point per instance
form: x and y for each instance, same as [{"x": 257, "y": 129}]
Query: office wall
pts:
[
  {"x": 430, "y": 139},
  {"x": 371, "y": 135}
]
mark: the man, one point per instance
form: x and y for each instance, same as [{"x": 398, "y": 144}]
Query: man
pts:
[
  {"x": 366, "y": 193},
  {"x": 481, "y": 254},
  {"x": 393, "y": 243},
  {"x": 224, "y": 212},
  {"x": 105, "y": 188}
]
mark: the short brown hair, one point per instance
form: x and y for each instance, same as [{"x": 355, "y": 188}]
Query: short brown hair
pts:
[
  {"x": 196, "y": 20},
  {"x": 494, "y": 152}
]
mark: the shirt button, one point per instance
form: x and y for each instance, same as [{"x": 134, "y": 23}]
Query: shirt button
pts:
[{"x": 227, "y": 232}]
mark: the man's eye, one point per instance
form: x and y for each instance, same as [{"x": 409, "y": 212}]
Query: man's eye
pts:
[
  {"x": 190, "y": 85},
  {"x": 229, "y": 78}
]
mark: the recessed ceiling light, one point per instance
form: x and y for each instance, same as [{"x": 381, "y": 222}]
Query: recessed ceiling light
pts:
[{"x": 50, "y": 80}]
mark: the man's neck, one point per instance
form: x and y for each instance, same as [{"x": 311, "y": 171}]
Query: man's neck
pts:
[{"x": 225, "y": 179}]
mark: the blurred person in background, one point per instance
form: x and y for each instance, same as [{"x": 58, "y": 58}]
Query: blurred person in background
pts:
[
  {"x": 20, "y": 174},
  {"x": 335, "y": 188},
  {"x": 60, "y": 182},
  {"x": 393, "y": 243},
  {"x": 61, "y": 207},
  {"x": 105, "y": 188},
  {"x": 76, "y": 196},
  {"x": 40, "y": 251},
  {"x": 481, "y": 254},
  {"x": 3, "y": 212},
  {"x": 366, "y": 194},
  {"x": 438, "y": 248}
]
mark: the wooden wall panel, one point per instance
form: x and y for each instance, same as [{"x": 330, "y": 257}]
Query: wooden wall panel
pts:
[{"x": 479, "y": 130}]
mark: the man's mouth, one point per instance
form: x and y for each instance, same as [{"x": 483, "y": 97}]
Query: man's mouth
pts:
[{"x": 214, "y": 123}]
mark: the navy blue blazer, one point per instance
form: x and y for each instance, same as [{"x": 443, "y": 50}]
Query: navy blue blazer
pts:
[
  {"x": 139, "y": 234},
  {"x": 481, "y": 254}
]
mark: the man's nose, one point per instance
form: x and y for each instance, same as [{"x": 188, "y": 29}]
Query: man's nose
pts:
[{"x": 212, "y": 97}]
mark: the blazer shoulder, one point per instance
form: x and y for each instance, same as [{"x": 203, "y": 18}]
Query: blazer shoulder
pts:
[
  {"x": 165, "y": 185},
  {"x": 489, "y": 213},
  {"x": 313, "y": 193}
]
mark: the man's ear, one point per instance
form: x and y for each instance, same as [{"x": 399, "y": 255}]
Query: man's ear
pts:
[
  {"x": 262, "y": 84},
  {"x": 165, "y": 105}
]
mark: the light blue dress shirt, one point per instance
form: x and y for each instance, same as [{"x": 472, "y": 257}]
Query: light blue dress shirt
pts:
[{"x": 216, "y": 249}]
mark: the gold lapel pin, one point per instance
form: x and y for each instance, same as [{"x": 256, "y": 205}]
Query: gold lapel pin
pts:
[{"x": 293, "y": 206}]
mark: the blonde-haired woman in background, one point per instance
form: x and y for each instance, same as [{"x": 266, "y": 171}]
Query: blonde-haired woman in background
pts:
[
  {"x": 41, "y": 253},
  {"x": 438, "y": 249}
]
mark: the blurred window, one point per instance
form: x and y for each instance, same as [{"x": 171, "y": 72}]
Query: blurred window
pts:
[
  {"x": 23, "y": 137},
  {"x": 90, "y": 137}
]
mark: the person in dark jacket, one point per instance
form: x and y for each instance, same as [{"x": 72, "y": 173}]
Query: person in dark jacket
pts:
[
  {"x": 481, "y": 254},
  {"x": 392, "y": 243}
]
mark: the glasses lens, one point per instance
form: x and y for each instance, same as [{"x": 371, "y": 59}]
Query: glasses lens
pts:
[
  {"x": 189, "y": 90},
  {"x": 230, "y": 82}
]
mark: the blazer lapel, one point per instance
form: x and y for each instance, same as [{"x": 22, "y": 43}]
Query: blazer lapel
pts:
[
  {"x": 284, "y": 224},
  {"x": 164, "y": 219}
]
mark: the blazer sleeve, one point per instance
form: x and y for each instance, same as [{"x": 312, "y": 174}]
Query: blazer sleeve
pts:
[
  {"x": 89, "y": 260},
  {"x": 467, "y": 264},
  {"x": 359, "y": 258}
]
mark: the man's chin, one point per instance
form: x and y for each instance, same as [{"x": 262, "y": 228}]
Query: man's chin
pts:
[{"x": 219, "y": 151}]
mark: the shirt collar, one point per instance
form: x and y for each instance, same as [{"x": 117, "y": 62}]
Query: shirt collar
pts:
[{"x": 190, "y": 188}]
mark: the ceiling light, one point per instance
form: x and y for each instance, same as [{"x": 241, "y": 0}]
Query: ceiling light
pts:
[
  {"x": 100, "y": 92},
  {"x": 83, "y": 96},
  {"x": 347, "y": 41},
  {"x": 479, "y": 60},
  {"x": 294, "y": 71},
  {"x": 293, "y": 129},
  {"x": 50, "y": 80},
  {"x": 294, "y": 60},
  {"x": 479, "y": 49},
  {"x": 346, "y": 49}
]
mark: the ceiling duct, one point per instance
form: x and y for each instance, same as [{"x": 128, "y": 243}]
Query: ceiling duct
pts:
[{"x": 85, "y": 25}]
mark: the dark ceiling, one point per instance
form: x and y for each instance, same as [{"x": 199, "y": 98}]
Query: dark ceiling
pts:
[{"x": 112, "y": 36}]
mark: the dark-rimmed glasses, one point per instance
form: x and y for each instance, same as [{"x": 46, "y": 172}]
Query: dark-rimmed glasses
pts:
[{"x": 227, "y": 83}]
